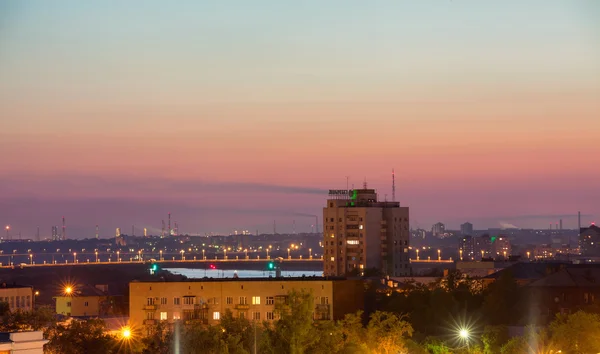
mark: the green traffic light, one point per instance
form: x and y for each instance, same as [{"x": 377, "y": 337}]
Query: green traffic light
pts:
[{"x": 271, "y": 265}]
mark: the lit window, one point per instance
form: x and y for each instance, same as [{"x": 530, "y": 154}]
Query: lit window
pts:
[
  {"x": 255, "y": 300},
  {"x": 216, "y": 315},
  {"x": 176, "y": 316},
  {"x": 163, "y": 316},
  {"x": 352, "y": 242},
  {"x": 332, "y": 259},
  {"x": 360, "y": 227}
]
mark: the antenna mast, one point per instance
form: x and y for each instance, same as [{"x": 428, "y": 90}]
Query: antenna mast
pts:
[{"x": 393, "y": 186}]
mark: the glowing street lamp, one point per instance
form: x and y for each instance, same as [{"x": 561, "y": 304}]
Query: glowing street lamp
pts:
[
  {"x": 140, "y": 255},
  {"x": 289, "y": 256},
  {"x": 68, "y": 290},
  {"x": 482, "y": 254},
  {"x": 160, "y": 255},
  {"x": 126, "y": 333},
  {"x": 31, "y": 258},
  {"x": 96, "y": 256},
  {"x": 310, "y": 253},
  {"x": 464, "y": 334},
  {"x": 7, "y": 230},
  {"x": 225, "y": 253},
  {"x": 203, "y": 257},
  {"x": 528, "y": 253},
  {"x": 439, "y": 255},
  {"x": 267, "y": 253},
  {"x": 461, "y": 252},
  {"x": 182, "y": 252},
  {"x": 417, "y": 254},
  {"x": 118, "y": 256},
  {"x": 74, "y": 257}
]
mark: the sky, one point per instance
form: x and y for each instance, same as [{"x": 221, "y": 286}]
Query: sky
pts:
[{"x": 234, "y": 115}]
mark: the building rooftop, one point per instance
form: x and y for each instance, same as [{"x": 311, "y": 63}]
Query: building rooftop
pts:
[
  {"x": 196, "y": 280},
  {"x": 13, "y": 286},
  {"x": 571, "y": 277}
]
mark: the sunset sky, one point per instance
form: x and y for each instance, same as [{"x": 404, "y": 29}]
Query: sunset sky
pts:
[{"x": 233, "y": 114}]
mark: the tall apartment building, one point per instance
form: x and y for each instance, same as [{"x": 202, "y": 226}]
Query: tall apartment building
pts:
[
  {"x": 466, "y": 229},
  {"x": 438, "y": 229},
  {"x": 589, "y": 240},
  {"x": 256, "y": 299},
  {"x": 483, "y": 246},
  {"x": 360, "y": 232},
  {"x": 466, "y": 248}
]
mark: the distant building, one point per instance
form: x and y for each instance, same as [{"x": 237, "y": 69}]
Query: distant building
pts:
[
  {"x": 466, "y": 248},
  {"x": 589, "y": 240},
  {"x": 22, "y": 342},
  {"x": 207, "y": 300},
  {"x": 483, "y": 246},
  {"x": 360, "y": 232},
  {"x": 438, "y": 229},
  {"x": 95, "y": 301},
  {"x": 501, "y": 247},
  {"x": 55, "y": 234},
  {"x": 466, "y": 229},
  {"x": 18, "y": 298}
]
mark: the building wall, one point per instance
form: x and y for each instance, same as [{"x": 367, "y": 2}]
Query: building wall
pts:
[
  {"x": 18, "y": 299},
  {"x": 78, "y": 305},
  {"x": 24, "y": 343},
  {"x": 150, "y": 302}
]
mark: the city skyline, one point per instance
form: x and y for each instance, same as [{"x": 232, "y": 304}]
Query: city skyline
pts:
[{"x": 231, "y": 117}]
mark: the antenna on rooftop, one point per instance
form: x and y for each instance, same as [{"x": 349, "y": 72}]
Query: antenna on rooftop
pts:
[
  {"x": 393, "y": 186},
  {"x": 365, "y": 183}
]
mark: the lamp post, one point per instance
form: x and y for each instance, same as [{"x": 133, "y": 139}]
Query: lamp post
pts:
[
  {"x": 528, "y": 253},
  {"x": 310, "y": 253},
  {"x": 74, "y": 257},
  {"x": 224, "y": 253},
  {"x": 461, "y": 252},
  {"x": 182, "y": 252},
  {"x": 439, "y": 255},
  {"x": 267, "y": 253},
  {"x": 118, "y": 256},
  {"x": 246, "y": 252},
  {"x": 140, "y": 255},
  {"x": 289, "y": 256},
  {"x": 96, "y": 256},
  {"x": 7, "y": 231},
  {"x": 160, "y": 257},
  {"x": 482, "y": 254},
  {"x": 31, "y": 258},
  {"x": 203, "y": 257},
  {"x": 417, "y": 254}
]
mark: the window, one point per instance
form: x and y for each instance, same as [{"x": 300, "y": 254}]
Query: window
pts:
[
  {"x": 352, "y": 242},
  {"x": 216, "y": 315},
  {"x": 270, "y": 300},
  {"x": 256, "y": 316},
  {"x": 68, "y": 303},
  {"x": 176, "y": 301},
  {"x": 324, "y": 300},
  {"x": 270, "y": 316},
  {"x": 255, "y": 300},
  {"x": 176, "y": 316},
  {"x": 86, "y": 304},
  {"x": 28, "y": 304},
  {"x": 150, "y": 315},
  {"x": 163, "y": 316},
  {"x": 243, "y": 300},
  {"x": 360, "y": 227},
  {"x": 242, "y": 315},
  {"x": 149, "y": 301},
  {"x": 229, "y": 300},
  {"x": 163, "y": 300},
  {"x": 332, "y": 259},
  {"x": 188, "y": 300}
]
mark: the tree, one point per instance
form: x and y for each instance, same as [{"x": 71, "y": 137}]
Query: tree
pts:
[
  {"x": 386, "y": 332},
  {"x": 534, "y": 341},
  {"x": 500, "y": 298},
  {"x": 87, "y": 336},
  {"x": 576, "y": 333},
  {"x": 493, "y": 338},
  {"x": 4, "y": 308},
  {"x": 34, "y": 320},
  {"x": 160, "y": 340}
]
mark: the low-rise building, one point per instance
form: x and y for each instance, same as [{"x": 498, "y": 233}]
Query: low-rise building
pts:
[
  {"x": 22, "y": 342},
  {"x": 86, "y": 301},
  {"x": 18, "y": 297},
  {"x": 253, "y": 298}
]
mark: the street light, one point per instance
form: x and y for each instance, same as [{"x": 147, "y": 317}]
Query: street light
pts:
[
  {"x": 31, "y": 258},
  {"x": 310, "y": 253},
  {"x": 74, "y": 257},
  {"x": 118, "y": 257},
  {"x": 289, "y": 256},
  {"x": 140, "y": 255},
  {"x": 160, "y": 255},
  {"x": 203, "y": 257},
  {"x": 417, "y": 254},
  {"x": 464, "y": 334},
  {"x": 126, "y": 333},
  {"x": 528, "y": 253},
  {"x": 182, "y": 252},
  {"x": 267, "y": 253},
  {"x": 460, "y": 251},
  {"x": 96, "y": 256},
  {"x": 68, "y": 290},
  {"x": 7, "y": 230},
  {"x": 225, "y": 253},
  {"x": 439, "y": 255},
  {"x": 482, "y": 254}
]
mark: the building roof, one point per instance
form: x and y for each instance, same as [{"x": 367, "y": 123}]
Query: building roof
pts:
[
  {"x": 5, "y": 337},
  {"x": 90, "y": 290},
  {"x": 206, "y": 279},
  {"x": 12, "y": 286},
  {"x": 591, "y": 228},
  {"x": 571, "y": 277},
  {"x": 529, "y": 270}
]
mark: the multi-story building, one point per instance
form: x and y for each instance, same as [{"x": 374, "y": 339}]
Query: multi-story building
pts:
[
  {"x": 22, "y": 342},
  {"x": 18, "y": 297},
  {"x": 466, "y": 229},
  {"x": 252, "y": 298},
  {"x": 438, "y": 229},
  {"x": 86, "y": 301},
  {"x": 501, "y": 247},
  {"x": 360, "y": 232},
  {"x": 466, "y": 248},
  {"x": 589, "y": 240},
  {"x": 483, "y": 246}
]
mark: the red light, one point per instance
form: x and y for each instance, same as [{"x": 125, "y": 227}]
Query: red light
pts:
[{"x": 212, "y": 266}]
